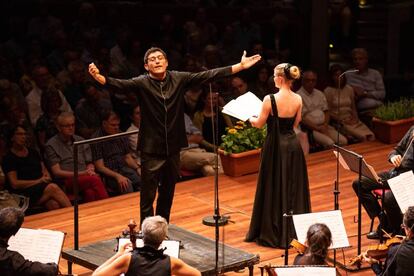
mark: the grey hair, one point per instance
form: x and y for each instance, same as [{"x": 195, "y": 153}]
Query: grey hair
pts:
[
  {"x": 154, "y": 230},
  {"x": 64, "y": 115}
]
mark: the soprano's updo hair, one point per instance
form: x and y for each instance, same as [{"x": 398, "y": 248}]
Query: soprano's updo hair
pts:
[{"x": 287, "y": 70}]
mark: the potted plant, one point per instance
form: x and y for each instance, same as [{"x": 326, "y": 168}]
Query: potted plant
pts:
[
  {"x": 240, "y": 149},
  {"x": 392, "y": 120}
]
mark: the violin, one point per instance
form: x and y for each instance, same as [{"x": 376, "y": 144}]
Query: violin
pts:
[
  {"x": 300, "y": 248},
  {"x": 270, "y": 270},
  {"x": 378, "y": 251},
  {"x": 132, "y": 233}
]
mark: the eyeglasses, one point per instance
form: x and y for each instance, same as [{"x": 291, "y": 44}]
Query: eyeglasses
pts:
[
  {"x": 152, "y": 59},
  {"x": 20, "y": 133}
]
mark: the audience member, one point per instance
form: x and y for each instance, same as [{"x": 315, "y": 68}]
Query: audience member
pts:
[
  {"x": 393, "y": 213},
  {"x": 133, "y": 139},
  {"x": 318, "y": 240},
  {"x": 73, "y": 90},
  {"x": 27, "y": 175},
  {"x": 400, "y": 257},
  {"x": 59, "y": 157},
  {"x": 147, "y": 260},
  {"x": 346, "y": 115},
  {"x": 88, "y": 110},
  {"x": 193, "y": 157},
  {"x": 315, "y": 114},
  {"x": 11, "y": 262},
  {"x": 113, "y": 158},
  {"x": 368, "y": 85},
  {"x": 42, "y": 78},
  {"x": 239, "y": 87},
  {"x": 260, "y": 85},
  {"x": 50, "y": 103},
  {"x": 206, "y": 112}
]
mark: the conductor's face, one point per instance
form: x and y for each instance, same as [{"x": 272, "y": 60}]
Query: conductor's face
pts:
[{"x": 156, "y": 65}]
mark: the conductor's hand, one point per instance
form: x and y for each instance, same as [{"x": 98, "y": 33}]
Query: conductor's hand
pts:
[
  {"x": 396, "y": 160},
  {"x": 247, "y": 62},
  {"x": 94, "y": 71}
]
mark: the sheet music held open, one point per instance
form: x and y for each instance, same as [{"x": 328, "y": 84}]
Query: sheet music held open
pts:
[
  {"x": 244, "y": 107},
  {"x": 402, "y": 186},
  {"x": 333, "y": 219},
  {"x": 38, "y": 245}
]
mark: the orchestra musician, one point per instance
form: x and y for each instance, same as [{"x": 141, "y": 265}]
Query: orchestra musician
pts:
[
  {"x": 402, "y": 158},
  {"x": 400, "y": 257},
  {"x": 318, "y": 240},
  {"x": 147, "y": 260}
]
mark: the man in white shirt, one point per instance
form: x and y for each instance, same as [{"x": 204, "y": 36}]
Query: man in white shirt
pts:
[
  {"x": 41, "y": 77},
  {"x": 315, "y": 114}
]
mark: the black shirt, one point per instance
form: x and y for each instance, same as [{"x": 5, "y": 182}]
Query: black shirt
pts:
[
  {"x": 162, "y": 107},
  {"x": 149, "y": 261},
  {"x": 408, "y": 161},
  {"x": 400, "y": 260}
]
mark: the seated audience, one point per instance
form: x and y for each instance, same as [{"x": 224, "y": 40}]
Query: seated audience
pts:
[
  {"x": 400, "y": 257},
  {"x": 368, "y": 85},
  {"x": 42, "y": 78},
  {"x": 113, "y": 159},
  {"x": 147, "y": 260},
  {"x": 89, "y": 109},
  {"x": 46, "y": 124},
  {"x": 26, "y": 174},
  {"x": 206, "y": 111},
  {"x": 346, "y": 114},
  {"x": 133, "y": 139},
  {"x": 318, "y": 240},
  {"x": 59, "y": 157},
  {"x": 11, "y": 262},
  {"x": 194, "y": 158},
  {"x": 315, "y": 114},
  {"x": 393, "y": 218}
]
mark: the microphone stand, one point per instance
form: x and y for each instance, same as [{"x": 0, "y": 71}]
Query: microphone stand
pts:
[
  {"x": 216, "y": 220},
  {"x": 338, "y": 127}
]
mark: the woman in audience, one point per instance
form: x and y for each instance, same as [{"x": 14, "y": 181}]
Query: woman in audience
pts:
[
  {"x": 318, "y": 240},
  {"x": 27, "y": 175},
  {"x": 50, "y": 102},
  {"x": 346, "y": 115},
  {"x": 206, "y": 111}
]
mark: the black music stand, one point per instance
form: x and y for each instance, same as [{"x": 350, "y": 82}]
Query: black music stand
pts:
[{"x": 356, "y": 163}]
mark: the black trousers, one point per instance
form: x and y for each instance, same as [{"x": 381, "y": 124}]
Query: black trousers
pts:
[
  {"x": 158, "y": 172},
  {"x": 393, "y": 214}
]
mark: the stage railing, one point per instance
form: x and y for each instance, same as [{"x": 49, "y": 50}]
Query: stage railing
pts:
[{"x": 76, "y": 174}]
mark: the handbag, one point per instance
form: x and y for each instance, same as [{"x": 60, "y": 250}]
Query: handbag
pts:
[{"x": 13, "y": 200}]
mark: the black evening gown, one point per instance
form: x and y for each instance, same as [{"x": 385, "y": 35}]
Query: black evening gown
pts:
[{"x": 282, "y": 184}]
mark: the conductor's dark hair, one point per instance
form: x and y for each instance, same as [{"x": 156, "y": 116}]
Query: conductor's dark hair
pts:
[
  {"x": 152, "y": 50},
  {"x": 11, "y": 219}
]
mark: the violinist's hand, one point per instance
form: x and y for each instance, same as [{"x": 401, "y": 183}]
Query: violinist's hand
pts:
[
  {"x": 125, "y": 248},
  {"x": 369, "y": 259},
  {"x": 396, "y": 160}
]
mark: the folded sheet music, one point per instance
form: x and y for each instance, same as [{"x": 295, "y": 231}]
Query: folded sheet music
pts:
[
  {"x": 38, "y": 245},
  {"x": 402, "y": 186},
  {"x": 244, "y": 107},
  {"x": 172, "y": 247}
]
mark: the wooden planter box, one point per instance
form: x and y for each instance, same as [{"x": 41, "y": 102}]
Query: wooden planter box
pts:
[
  {"x": 391, "y": 131},
  {"x": 237, "y": 164}
]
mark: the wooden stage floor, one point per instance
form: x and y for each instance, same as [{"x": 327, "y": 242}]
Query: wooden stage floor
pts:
[{"x": 105, "y": 219}]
